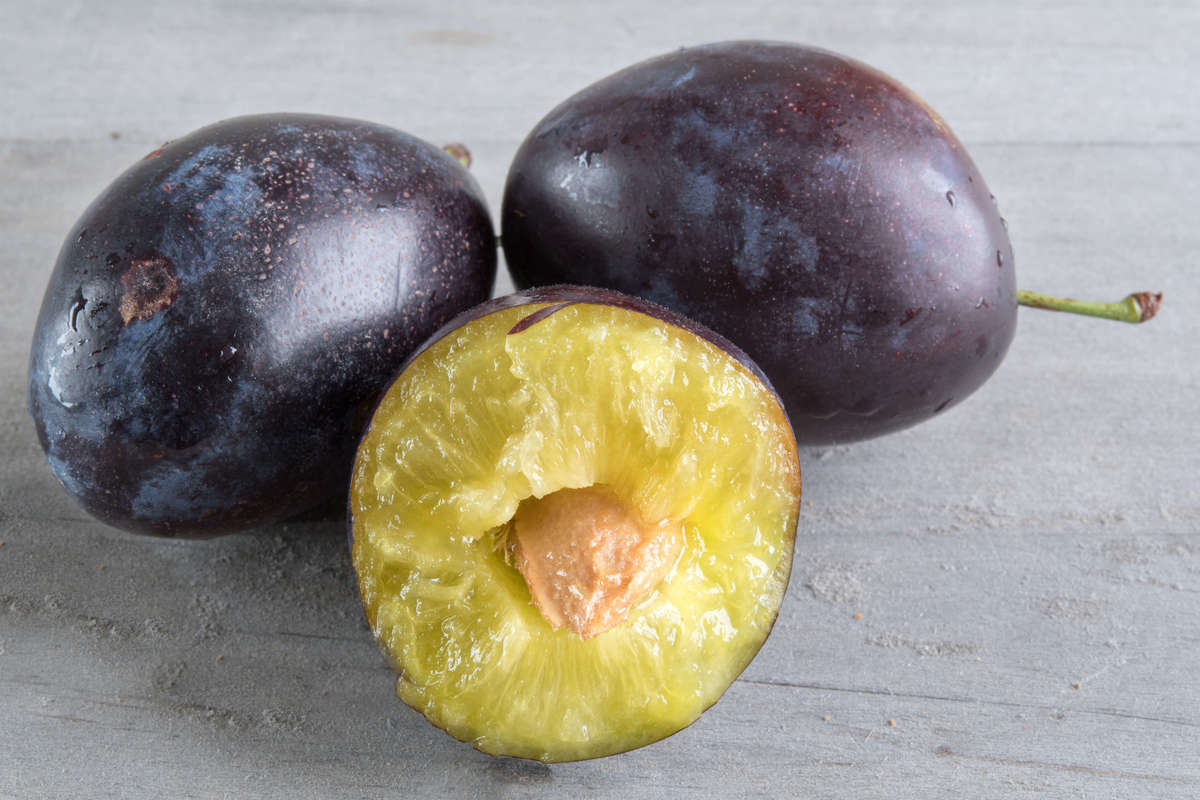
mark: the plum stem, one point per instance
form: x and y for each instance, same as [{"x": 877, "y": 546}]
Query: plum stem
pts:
[
  {"x": 1137, "y": 307},
  {"x": 459, "y": 153}
]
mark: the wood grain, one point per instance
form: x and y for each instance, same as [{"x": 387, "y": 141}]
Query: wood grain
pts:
[{"x": 1026, "y": 567}]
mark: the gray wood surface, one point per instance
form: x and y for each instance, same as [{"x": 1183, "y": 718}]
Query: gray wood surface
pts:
[{"x": 1026, "y": 567}]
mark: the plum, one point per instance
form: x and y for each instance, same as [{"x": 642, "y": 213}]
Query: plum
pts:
[
  {"x": 572, "y": 519},
  {"x": 806, "y": 206},
  {"x": 222, "y": 317}
]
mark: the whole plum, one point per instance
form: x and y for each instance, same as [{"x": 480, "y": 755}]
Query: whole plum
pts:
[
  {"x": 222, "y": 316},
  {"x": 803, "y": 204}
]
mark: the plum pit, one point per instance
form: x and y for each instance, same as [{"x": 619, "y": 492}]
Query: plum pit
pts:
[{"x": 588, "y": 558}]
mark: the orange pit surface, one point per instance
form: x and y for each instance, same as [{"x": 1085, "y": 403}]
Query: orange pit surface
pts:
[{"x": 588, "y": 559}]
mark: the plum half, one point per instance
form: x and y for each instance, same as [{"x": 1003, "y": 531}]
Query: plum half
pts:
[
  {"x": 572, "y": 522},
  {"x": 801, "y": 203},
  {"x": 223, "y": 316}
]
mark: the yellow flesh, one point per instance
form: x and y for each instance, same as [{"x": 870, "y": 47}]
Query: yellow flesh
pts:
[{"x": 592, "y": 394}]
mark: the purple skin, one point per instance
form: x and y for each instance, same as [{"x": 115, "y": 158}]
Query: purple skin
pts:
[
  {"x": 222, "y": 317},
  {"x": 806, "y": 206}
]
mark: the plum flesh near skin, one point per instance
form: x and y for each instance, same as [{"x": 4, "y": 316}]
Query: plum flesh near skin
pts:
[
  {"x": 224, "y": 314},
  {"x": 572, "y": 522},
  {"x": 806, "y": 206}
]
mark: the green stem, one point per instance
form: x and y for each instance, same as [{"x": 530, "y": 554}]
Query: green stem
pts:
[{"x": 1137, "y": 307}]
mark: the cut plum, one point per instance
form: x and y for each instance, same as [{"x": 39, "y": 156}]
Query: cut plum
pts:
[{"x": 572, "y": 522}]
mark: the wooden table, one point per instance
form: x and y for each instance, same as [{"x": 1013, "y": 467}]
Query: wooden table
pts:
[{"x": 1026, "y": 567}]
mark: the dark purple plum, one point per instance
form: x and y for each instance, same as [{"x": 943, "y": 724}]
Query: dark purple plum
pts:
[
  {"x": 806, "y": 206},
  {"x": 222, "y": 317}
]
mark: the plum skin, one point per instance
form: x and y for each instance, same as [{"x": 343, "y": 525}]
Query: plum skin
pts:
[
  {"x": 805, "y": 205},
  {"x": 222, "y": 316}
]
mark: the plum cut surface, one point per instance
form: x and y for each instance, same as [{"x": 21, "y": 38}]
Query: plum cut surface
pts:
[
  {"x": 808, "y": 207},
  {"x": 533, "y": 401}
]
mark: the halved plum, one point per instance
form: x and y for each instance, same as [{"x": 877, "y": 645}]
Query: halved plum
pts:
[{"x": 572, "y": 521}]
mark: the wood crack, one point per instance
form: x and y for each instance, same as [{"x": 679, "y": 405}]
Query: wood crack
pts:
[
  {"x": 1105, "y": 712},
  {"x": 1182, "y": 144},
  {"x": 326, "y": 637},
  {"x": 946, "y": 752}
]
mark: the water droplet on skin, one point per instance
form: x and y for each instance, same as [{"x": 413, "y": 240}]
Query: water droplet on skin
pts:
[
  {"x": 999, "y": 259},
  {"x": 950, "y": 197}
]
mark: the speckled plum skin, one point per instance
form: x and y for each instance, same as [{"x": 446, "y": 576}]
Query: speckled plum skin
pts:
[
  {"x": 222, "y": 317},
  {"x": 806, "y": 206}
]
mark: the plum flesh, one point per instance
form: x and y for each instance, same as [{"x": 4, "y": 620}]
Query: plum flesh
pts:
[
  {"x": 573, "y": 403},
  {"x": 222, "y": 316},
  {"x": 806, "y": 206}
]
